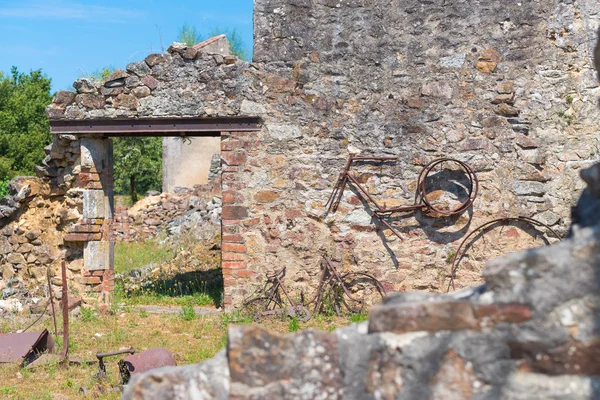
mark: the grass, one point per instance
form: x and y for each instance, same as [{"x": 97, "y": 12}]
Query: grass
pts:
[
  {"x": 132, "y": 255},
  {"x": 190, "y": 341}
]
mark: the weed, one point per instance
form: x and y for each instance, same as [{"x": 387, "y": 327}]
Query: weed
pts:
[
  {"x": 8, "y": 390},
  {"x": 358, "y": 317},
  {"x": 143, "y": 314},
  {"x": 450, "y": 257},
  {"x": 88, "y": 315},
  {"x": 569, "y": 99},
  {"x": 187, "y": 313},
  {"x": 236, "y": 317},
  {"x": 294, "y": 325}
]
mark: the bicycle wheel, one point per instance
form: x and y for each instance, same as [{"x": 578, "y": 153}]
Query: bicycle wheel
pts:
[
  {"x": 363, "y": 292},
  {"x": 447, "y": 186},
  {"x": 260, "y": 307}
]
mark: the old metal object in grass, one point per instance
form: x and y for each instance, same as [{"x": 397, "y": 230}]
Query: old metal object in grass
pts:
[
  {"x": 24, "y": 347},
  {"x": 100, "y": 356},
  {"x": 145, "y": 361},
  {"x": 434, "y": 177}
]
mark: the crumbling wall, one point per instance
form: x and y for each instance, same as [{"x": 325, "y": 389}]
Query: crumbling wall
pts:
[
  {"x": 507, "y": 88},
  {"x": 36, "y": 224}
]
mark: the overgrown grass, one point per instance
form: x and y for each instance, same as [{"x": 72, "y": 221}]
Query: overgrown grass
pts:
[
  {"x": 189, "y": 340},
  {"x": 132, "y": 255}
]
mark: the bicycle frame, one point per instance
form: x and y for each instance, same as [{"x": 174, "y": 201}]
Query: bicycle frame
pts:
[
  {"x": 421, "y": 202},
  {"x": 332, "y": 277}
]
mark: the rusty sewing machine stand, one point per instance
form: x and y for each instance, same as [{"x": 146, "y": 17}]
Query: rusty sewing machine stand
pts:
[{"x": 421, "y": 202}]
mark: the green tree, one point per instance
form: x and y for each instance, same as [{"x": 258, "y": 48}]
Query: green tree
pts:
[
  {"x": 188, "y": 35},
  {"x": 137, "y": 165},
  {"x": 24, "y": 128}
]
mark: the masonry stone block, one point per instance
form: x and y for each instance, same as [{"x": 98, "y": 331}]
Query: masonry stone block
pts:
[
  {"x": 97, "y": 255},
  {"x": 94, "y": 153},
  {"x": 94, "y": 204}
]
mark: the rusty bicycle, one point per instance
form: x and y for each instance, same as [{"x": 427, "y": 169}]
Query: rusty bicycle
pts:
[
  {"x": 445, "y": 187},
  {"x": 350, "y": 290},
  {"x": 270, "y": 301}
]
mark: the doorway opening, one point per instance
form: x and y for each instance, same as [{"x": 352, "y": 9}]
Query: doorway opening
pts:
[{"x": 166, "y": 247}]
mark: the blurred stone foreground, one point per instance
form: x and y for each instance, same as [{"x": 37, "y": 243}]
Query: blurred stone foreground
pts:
[{"x": 531, "y": 332}]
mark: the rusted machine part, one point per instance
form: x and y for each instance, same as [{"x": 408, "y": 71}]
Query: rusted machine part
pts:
[
  {"x": 51, "y": 295},
  {"x": 473, "y": 187},
  {"x": 100, "y": 356},
  {"x": 25, "y": 346},
  {"x": 145, "y": 361},
  {"x": 65, "y": 307},
  {"x": 480, "y": 228}
]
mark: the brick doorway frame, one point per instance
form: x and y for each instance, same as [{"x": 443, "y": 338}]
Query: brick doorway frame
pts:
[{"x": 95, "y": 229}]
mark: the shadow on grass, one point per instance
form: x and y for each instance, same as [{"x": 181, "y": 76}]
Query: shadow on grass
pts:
[{"x": 200, "y": 288}]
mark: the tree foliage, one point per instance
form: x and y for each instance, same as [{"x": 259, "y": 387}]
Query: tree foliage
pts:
[
  {"x": 188, "y": 35},
  {"x": 137, "y": 165},
  {"x": 24, "y": 128}
]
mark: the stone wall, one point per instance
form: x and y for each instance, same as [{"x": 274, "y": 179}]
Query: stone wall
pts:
[
  {"x": 507, "y": 88},
  {"x": 531, "y": 332}
]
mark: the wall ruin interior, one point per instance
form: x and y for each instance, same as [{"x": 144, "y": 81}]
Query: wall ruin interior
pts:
[{"x": 507, "y": 88}]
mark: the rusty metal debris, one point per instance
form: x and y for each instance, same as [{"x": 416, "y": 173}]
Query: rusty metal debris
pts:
[
  {"x": 352, "y": 290},
  {"x": 51, "y": 296},
  {"x": 270, "y": 302},
  {"x": 25, "y": 346},
  {"x": 422, "y": 202},
  {"x": 460, "y": 251},
  {"x": 145, "y": 361},
  {"x": 155, "y": 126},
  {"x": 100, "y": 356},
  {"x": 65, "y": 307}
]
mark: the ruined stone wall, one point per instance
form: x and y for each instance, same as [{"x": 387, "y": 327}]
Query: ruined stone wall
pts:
[
  {"x": 507, "y": 88},
  {"x": 38, "y": 228}
]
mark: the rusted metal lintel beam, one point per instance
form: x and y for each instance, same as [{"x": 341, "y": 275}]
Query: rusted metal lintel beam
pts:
[{"x": 155, "y": 126}]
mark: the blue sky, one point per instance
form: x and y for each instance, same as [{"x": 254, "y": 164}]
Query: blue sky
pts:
[{"x": 72, "y": 38}]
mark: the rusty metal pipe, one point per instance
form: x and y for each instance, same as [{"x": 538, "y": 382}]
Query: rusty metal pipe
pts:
[
  {"x": 65, "y": 305},
  {"x": 51, "y": 295},
  {"x": 505, "y": 220}
]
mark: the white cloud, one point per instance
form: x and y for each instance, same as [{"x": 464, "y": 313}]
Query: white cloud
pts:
[{"x": 67, "y": 10}]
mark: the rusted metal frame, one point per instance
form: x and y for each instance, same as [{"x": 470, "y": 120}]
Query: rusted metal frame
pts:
[
  {"x": 135, "y": 126},
  {"x": 388, "y": 225},
  {"x": 65, "y": 306},
  {"x": 100, "y": 356},
  {"x": 338, "y": 188},
  {"x": 51, "y": 295},
  {"x": 505, "y": 221},
  {"x": 473, "y": 187},
  {"x": 330, "y": 278},
  {"x": 335, "y": 274}
]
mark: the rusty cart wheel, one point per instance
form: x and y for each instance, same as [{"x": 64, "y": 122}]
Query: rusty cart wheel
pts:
[{"x": 447, "y": 186}]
